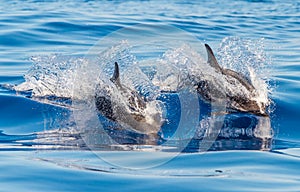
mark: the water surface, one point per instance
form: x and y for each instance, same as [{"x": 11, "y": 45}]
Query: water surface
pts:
[{"x": 41, "y": 29}]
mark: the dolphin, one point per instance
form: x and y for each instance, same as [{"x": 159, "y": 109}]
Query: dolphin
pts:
[
  {"x": 132, "y": 112},
  {"x": 235, "y": 100}
]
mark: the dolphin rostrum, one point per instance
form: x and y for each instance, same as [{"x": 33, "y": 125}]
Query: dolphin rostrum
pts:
[
  {"x": 132, "y": 111},
  {"x": 235, "y": 100}
]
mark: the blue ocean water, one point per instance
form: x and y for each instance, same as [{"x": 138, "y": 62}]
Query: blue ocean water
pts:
[{"x": 36, "y": 157}]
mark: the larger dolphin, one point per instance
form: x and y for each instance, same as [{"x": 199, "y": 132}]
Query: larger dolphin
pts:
[{"x": 237, "y": 101}]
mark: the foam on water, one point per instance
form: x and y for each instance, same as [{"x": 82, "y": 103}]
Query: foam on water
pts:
[{"x": 50, "y": 75}]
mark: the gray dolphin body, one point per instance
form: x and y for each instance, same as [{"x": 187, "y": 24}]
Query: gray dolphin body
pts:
[
  {"x": 132, "y": 111},
  {"x": 235, "y": 100}
]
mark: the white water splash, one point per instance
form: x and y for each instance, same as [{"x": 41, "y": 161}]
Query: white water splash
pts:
[
  {"x": 50, "y": 75},
  {"x": 248, "y": 58},
  {"x": 183, "y": 66}
]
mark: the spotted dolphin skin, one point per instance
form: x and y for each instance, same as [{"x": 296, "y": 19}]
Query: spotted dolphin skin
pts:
[
  {"x": 235, "y": 100},
  {"x": 136, "y": 102},
  {"x": 131, "y": 111}
]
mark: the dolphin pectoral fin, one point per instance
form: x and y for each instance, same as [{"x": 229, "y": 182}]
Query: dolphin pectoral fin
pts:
[
  {"x": 211, "y": 59},
  {"x": 116, "y": 76},
  {"x": 240, "y": 78}
]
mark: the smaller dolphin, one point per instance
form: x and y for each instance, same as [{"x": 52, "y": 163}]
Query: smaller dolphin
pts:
[
  {"x": 235, "y": 100},
  {"x": 133, "y": 113}
]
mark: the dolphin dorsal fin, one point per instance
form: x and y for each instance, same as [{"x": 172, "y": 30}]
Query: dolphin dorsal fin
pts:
[
  {"x": 116, "y": 76},
  {"x": 211, "y": 59}
]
